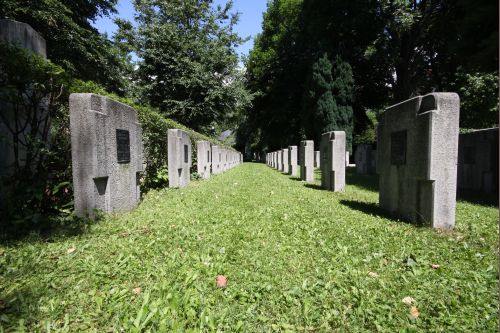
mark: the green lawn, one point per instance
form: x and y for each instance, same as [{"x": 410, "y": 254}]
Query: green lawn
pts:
[{"x": 298, "y": 259}]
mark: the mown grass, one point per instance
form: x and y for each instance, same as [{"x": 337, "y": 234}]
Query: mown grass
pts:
[{"x": 298, "y": 259}]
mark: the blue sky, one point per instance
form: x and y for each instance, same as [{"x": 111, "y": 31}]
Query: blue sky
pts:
[{"x": 250, "y": 23}]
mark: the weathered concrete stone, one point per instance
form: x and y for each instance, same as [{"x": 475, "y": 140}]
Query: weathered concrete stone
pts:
[
  {"x": 23, "y": 35},
  {"x": 365, "y": 158},
  {"x": 333, "y": 160},
  {"x": 203, "y": 158},
  {"x": 417, "y": 159},
  {"x": 478, "y": 161},
  {"x": 284, "y": 159},
  {"x": 346, "y": 158},
  {"x": 292, "y": 160},
  {"x": 179, "y": 158},
  {"x": 279, "y": 158},
  {"x": 306, "y": 162},
  {"x": 216, "y": 159},
  {"x": 107, "y": 154},
  {"x": 317, "y": 159}
]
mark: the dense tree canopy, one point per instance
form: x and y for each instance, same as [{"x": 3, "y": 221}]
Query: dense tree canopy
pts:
[
  {"x": 396, "y": 50},
  {"x": 72, "y": 42},
  {"x": 188, "y": 66}
]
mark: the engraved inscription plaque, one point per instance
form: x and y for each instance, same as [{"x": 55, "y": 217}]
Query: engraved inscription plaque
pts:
[
  {"x": 398, "y": 148},
  {"x": 186, "y": 159},
  {"x": 123, "y": 146}
]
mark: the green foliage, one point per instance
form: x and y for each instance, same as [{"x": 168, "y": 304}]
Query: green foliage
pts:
[
  {"x": 188, "y": 67},
  {"x": 31, "y": 90},
  {"x": 478, "y": 99},
  {"x": 296, "y": 258},
  {"x": 369, "y": 134},
  {"x": 72, "y": 42},
  {"x": 40, "y": 193},
  {"x": 396, "y": 49},
  {"x": 328, "y": 100}
]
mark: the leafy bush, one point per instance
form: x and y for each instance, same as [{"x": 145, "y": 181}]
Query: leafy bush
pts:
[
  {"x": 40, "y": 190},
  {"x": 478, "y": 99}
]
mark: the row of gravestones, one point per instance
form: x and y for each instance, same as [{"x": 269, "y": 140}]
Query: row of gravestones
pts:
[
  {"x": 477, "y": 168},
  {"x": 107, "y": 155},
  {"x": 416, "y": 159},
  {"x": 106, "y": 142}
]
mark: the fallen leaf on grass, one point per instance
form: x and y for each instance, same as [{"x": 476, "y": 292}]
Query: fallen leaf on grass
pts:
[
  {"x": 414, "y": 313},
  {"x": 221, "y": 281},
  {"x": 373, "y": 274},
  {"x": 70, "y": 250},
  {"x": 137, "y": 291},
  {"x": 408, "y": 300},
  {"x": 435, "y": 266}
]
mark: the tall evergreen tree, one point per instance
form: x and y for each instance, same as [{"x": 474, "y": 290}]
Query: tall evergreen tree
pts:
[
  {"x": 327, "y": 103},
  {"x": 343, "y": 92}
]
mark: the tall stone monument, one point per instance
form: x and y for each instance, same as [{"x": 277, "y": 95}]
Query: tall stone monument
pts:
[
  {"x": 284, "y": 159},
  {"x": 417, "y": 153},
  {"x": 179, "y": 158},
  {"x": 279, "y": 158},
  {"x": 292, "y": 160},
  {"x": 12, "y": 127},
  {"x": 216, "y": 159},
  {"x": 333, "y": 160},
  {"x": 365, "y": 159},
  {"x": 317, "y": 159},
  {"x": 106, "y": 154},
  {"x": 203, "y": 158},
  {"x": 307, "y": 160},
  {"x": 478, "y": 161}
]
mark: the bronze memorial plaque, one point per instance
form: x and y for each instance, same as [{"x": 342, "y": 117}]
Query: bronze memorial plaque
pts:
[{"x": 123, "y": 146}]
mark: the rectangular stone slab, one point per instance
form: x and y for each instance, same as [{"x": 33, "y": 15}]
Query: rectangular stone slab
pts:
[
  {"x": 106, "y": 154},
  {"x": 216, "y": 159},
  {"x": 306, "y": 162},
  {"x": 179, "y": 158},
  {"x": 203, "y": 158},
  {"x": 292, "y": 160},
  {"x": 365, "y": 159},
  {"x": 317, "y": 159},
  {"x": 333, "y": 160},
  {"x": 284, "y": 159},
  {"x": 417, "y": 153}
]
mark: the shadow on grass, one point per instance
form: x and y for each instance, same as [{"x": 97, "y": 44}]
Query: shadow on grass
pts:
[
  {"x": 50, "y": 229},
  {"x": 478, "y": 198},
  {"x": 375, "y": 210},
  {"x": 315, "y": 187},
  {"x": 368, "y": 182}
]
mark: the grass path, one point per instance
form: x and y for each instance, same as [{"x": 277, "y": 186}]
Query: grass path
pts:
[{"x": 298, "y": 259}]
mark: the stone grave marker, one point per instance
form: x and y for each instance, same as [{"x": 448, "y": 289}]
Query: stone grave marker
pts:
[
  {"x": 365, "y": 158},
  {"x": 179, "y": 158},
  {"x": 284, "y": 159},
  {"x": 306, "y": 160},
  {"x": 478, "y": 161},
  {"x": 333, "y": 160},
  {"x": 292, "y": 160},
  {"x": 417, "y": 153},
  {"x": 203, "y": 158},
  {"x": 106, "y": 154},
  {"x": 317, "y": 159}
]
